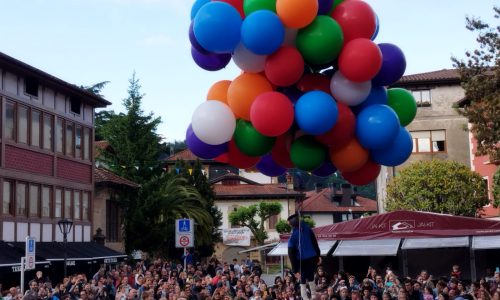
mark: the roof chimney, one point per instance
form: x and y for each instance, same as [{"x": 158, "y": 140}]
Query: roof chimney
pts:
[{"x": 346, "y": 195}]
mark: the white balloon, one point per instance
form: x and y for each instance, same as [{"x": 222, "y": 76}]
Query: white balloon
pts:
[
  {"x": 213, "y": 122},
  {"x": 290, "y": 37},
  {"x": 248, "y": 61},
  {"x": 349, "y": 92}
]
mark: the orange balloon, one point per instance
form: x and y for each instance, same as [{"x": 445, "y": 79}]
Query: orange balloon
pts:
[
  {"x": 218, "y": 91},
  {"x": 297, "y": 13},
  {"x": 243, "y": 91},
  {"x": 349, "y": 158}
]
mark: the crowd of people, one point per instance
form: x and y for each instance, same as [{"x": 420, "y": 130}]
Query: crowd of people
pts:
[{"x": 241, "y": 280}]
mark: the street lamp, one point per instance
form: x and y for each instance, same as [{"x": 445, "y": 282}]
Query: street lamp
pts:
[{"x": 65, "y": 226}]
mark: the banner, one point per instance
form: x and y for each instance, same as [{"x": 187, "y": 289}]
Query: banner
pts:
[{"x": 236, "y": 237}]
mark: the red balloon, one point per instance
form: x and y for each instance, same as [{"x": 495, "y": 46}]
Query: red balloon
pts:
[
  {"x": 356, "y": 18},
  {"x": 284, "y": 67},
  {"x": 363, "y": 176},
  {"x": 281, "y": 151},
  {"x": 238, "y": 4},
  {"x": 272, "y": 113},
  {"x": 239, "y": 160},
  {"x": 343, "y": 131},
  {"x": 360, "y": 60},
  {"x": 314, "y": 82}
]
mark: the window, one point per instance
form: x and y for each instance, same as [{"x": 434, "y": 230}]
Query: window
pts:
[
  {"x": 78, "y": 141},
  {"x": 76, "y": 105},
  {"x": 76, "y": 200},
  {"x": 112, "y": 221},
  {"x": 85, "y": 206},
  {"x": 59, "y": 135},
  {"x": 69, "y": 139},
  {"x": 31, "y": 87},
  {"x": 21, "y": 199},
  {"x": 86, "y": 144},
  {"x": 35, "y": 128},
  {"x": 272, "y": 221},
  {"x": 46, "y": 192},
  {"x": 422, "y": 97},
  {"x": 47, "y": 132},
  {"x": 22, "y": 125},
  {"x": 67, "y": 204},
  {"x": 429, "y": 141},
  {"x": 58, "y": 204},
  {"x": 10, "y": 112},
  {"x": 7, "y": 198},
  {"x": 34, "y": 200}
]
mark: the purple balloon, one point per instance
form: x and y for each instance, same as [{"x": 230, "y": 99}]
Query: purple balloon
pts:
[
  {"x": 292, "y": 93},
  {"x": 324, "y": 6},
  {"x": 393, "y": 65},
  {"x": 210, "y": 61},
  {"x": 269, "y": 167},
  {"x": 201, "y": 149},
  {"x": 194, "y": 41},
  {"x": 326, "y": 169}
]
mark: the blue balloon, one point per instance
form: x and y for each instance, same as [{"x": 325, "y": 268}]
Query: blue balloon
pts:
[
  {"x": 378, "y": 95},
  {"x": 326, "y": 169},
  {"x": 217, "y": 27},
  {"x": 316, "y": 112},
  {"x": 397, "y": 153},
  {"x": 269, "y": 167},
  {"x": 196, "y": 7},
  {"x": 201, "y": 149},
  {"x": 377, "y": 126},
  {"x": 262, "y": 32},
  {"x": 393, "y": 65},
  {"x": 377, "y": 28}
]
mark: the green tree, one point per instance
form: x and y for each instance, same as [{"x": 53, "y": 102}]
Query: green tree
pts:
[
  {"x": 208, "y": 236},
  {"x": 96, "y": 88},
  {"x": 437, "y": 186},
  {"x": 254, "y": 217},
  {"x": 133, "y": 137},
  {"x": 283, "y": 227},
  {"x": 496, "y": 188},
  {"x": 101, "y": 119},
  {"x": 162, "y": 200},
  {"x": 480, "y": 76}
]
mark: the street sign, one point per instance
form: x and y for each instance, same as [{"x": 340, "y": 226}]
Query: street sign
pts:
[
  {"x": 30, "y": 253},
  {"x": 184, "y": 233}
]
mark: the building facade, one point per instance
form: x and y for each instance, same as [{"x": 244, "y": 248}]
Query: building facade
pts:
[{"x": 46, "y": 154}]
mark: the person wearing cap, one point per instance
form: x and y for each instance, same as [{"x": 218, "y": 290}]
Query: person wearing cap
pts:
[{"x": 304, "y": 254}]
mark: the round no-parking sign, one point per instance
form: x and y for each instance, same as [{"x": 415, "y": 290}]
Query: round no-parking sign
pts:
[{"x": 184, "y": 241}]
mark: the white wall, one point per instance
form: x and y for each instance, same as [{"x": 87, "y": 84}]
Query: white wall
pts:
[{"x": 322, "y": 219}]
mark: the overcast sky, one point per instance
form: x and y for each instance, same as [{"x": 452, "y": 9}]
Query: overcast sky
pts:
[{"x": 88, "y": 41}]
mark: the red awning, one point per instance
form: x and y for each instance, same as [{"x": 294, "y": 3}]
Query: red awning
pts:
[{"x": 406, "y": 224}]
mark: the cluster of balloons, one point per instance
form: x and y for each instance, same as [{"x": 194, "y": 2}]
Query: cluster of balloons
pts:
[{"x": 312, "y": 93}]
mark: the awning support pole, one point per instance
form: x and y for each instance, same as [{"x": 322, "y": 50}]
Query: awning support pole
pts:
[
  {"x": 472, "y": 261},
  {"x": 341, "y": 263},
  {"x": 405, "y": 263},
  {"x": 282, "y": 265},
  {"x": 23, "y": 260}
]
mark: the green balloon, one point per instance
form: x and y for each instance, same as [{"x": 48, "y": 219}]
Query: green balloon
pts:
[
  {"x": 307, "y": 153},
  {"x": 321, "y": 41},
  {"x": 249, "y": 6},
  {"x": 335, "y": 4},
  {"x": 403, "y": 103},
  {"x": 251, "y": 142}
]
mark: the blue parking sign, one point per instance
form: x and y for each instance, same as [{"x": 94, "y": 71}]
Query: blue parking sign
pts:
[
  {"x": 31, "y": 245},
  {"x": 184, "y": 225}
]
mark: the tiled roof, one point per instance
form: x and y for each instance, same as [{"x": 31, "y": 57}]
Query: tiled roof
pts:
[
  {"x": 232, "y": 177},
  {"x": 490, "y": 212},
  {"x": 252, "y": 191},
  {"x": 101, "y": 144},
  {"x": 186, "y": 155},
  {"x": 444, "y": 76},
  {"x": 102, "y": 175},
  {"x": 321, "y": 202}
]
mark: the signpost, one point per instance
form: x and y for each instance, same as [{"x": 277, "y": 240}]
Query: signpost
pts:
[
  {"x": 28, "y": 261},
  {"x": 184, "y": 235}
]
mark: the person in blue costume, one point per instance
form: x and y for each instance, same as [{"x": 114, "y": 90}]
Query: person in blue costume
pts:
[{"x": 304, "y": 254}]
